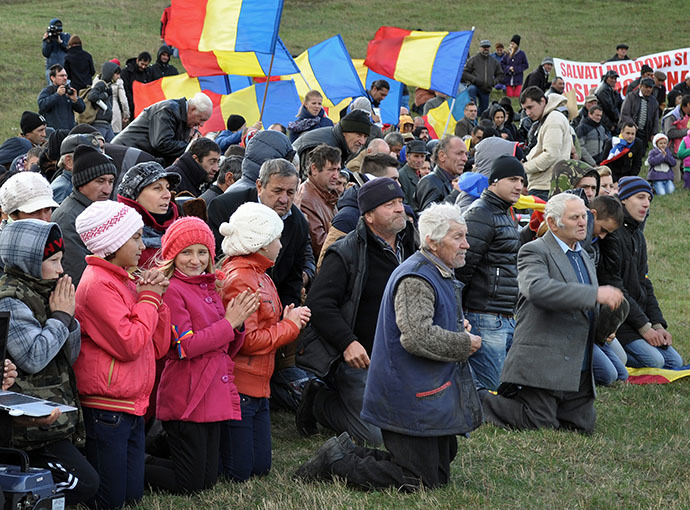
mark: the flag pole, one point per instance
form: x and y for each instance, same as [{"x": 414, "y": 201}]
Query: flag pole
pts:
[
  {"x": 305, "y": 80},
  {"x": 450, "y": 112},
  {"x": 268, "y": 80}
]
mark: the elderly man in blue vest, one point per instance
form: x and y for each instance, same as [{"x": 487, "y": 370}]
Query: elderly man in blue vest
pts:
[{"x": 419, "y": 388}]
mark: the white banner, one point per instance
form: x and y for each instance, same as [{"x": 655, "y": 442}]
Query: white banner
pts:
[{"x": 584, "y": 77}]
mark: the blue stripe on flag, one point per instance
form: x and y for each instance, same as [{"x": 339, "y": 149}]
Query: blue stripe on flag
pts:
[
  {"x": 390, "y": 107},
  {"x": 450, "y": 61},
  {"x": 283, "y": 63},
  {"x": 282, "y": 101},
  {"x": 257, "y": 27},
  {"x": 224, "y": 84},
  {"x": 334, "y": 70}
]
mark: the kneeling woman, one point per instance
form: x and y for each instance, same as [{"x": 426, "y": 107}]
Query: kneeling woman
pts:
[
  {"x": 252, "y": 243},
  {"x": 44, "y": 342}
]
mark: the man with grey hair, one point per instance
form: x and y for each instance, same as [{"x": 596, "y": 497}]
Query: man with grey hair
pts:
[
  {"x": 419, "y": 389},
  {"x": 547, "y": 379},
  {"x": 165, "y": 128},
  {"x": 451, "y": 156}
]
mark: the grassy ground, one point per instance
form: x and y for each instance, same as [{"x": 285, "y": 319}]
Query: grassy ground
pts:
[{"x": 637, "y": 457}]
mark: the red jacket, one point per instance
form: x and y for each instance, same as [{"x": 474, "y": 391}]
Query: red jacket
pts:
[
  {"x": 122, "y": 335},
  {"x": 265, "y": 332},
  {"x": 199, "y": 387}
]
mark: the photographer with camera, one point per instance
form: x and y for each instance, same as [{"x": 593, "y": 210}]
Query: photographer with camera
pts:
[
  {"x": 58, "y": 101},
  {"x": 54, "y": 45}
]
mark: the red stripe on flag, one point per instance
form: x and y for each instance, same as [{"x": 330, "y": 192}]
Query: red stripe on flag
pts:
[
  {"x": 200, "y": 63},
  {"x": 146, "y": 94},
  {"x": 648, "y": 379},
  {"x": 432, "y": 131},
  {"x": 185, "y": 26},
  {"x": 383, "y": 50},
  {"x": 216, "y": 122}
]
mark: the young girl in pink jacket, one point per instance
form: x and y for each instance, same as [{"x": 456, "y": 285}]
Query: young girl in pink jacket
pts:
[
  {"x": 196, "y": 391},
  {"x": 125, "y": 327}
]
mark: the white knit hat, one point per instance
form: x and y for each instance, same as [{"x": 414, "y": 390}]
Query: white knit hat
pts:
[
  {"x": 656, "y": 138},
  {"x": 106, "y": 225},
  {"x": 251, "y": 227},
  {"x": 26, "y": 192}
]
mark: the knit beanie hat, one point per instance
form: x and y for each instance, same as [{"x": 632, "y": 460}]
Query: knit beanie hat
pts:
[
  {"x": 185, "y": 232},
  {"x": 658, "y": 137},
  {"x": 506, "y": 166},
  {"x": 90, "y": 163},
  {"x": 54, "y": 243},
  {"x": 631, "y": 185},
  {"x": 106, "y": 225},
  {"x": 251, "y": 227},
  {"x": 362, "y": 103},
  {"x": 143, "y": 174},
  {"x": 357, "y": 121},
  {"x": 376, "y": 192},
  {"x": 26, "y": 192},
  {"x": 31, "y": 121},
  {"x": 235, "y": 122},
  {"x": 54, "y": 142},
  {"x": 516, "y": 39}
]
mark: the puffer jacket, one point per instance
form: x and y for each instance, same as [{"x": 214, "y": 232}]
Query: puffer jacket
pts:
[
  {"x": 265, "y": 330},
  {"x": 263, "y": 146},
  {"x": 482, "y": 71},
  {"x": 490, "y": 270},
  {"x": 332, "y": 136},
  {"x": 199, "y": 387},
  {"x": 553, "y": 144},
  {"x": 592, "y": 138},
  {"x": 123, "y": 333},
  {"x": 101, "y": 91}
]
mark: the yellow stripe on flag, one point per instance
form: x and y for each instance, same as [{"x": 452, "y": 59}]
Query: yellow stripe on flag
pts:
[
  {"x": 362, "y": 70},
  {"x": 220, "y": 25},
  {"x": 438, "y": 117},
  {"x": 242, "y": 63},
  {"x": 416, "y": 58},
  {"x": 243, "y": 102},
  {"x": 174, "y": 87}
]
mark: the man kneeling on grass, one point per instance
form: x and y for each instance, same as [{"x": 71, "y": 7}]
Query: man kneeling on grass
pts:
[{"x": 419, "y": 388}]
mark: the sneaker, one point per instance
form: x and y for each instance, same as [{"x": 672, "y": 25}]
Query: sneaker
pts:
[
  {"x": 319, "y": 466},
  {"x": 304, "y": 417}
]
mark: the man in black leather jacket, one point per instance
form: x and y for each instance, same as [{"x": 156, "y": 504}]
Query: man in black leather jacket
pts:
[{"x": 490, "y": 270}]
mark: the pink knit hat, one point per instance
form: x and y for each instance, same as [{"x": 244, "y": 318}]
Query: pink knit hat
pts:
[
  {"x": 106, "y": 225},
  {"x": 185, "y": 232}
]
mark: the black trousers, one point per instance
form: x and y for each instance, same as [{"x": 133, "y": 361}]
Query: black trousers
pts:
[
  {"x": 194, "y": 457},
  {"x": 408, "y": 463},
  {"x": 528, "y": 408}
]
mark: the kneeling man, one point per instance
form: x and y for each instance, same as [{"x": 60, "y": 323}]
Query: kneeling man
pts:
[{"x": 547, "y": 377}]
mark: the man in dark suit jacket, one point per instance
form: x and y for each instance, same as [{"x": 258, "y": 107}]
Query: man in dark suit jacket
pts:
[{"x": 547, "y": 377}]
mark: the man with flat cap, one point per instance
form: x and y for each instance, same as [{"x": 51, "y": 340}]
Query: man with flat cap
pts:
[
  {"x": 482, "y": 72},
  {"x": 610, "y": 100},
  {"x": 621, "y": 53},
  {"x": 642, "y": 108},
  {"x": 409, "y": 174}
]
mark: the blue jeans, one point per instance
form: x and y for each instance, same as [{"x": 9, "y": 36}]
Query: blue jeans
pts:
[
  {"x": 641, "y": 354},
  {"x": 115, "y": 448},
  {"x": 663, "y": 187},
  {"x": 497, "y": 335},
  {"x": 481, "y": 99},
  {"x": 607, "y": 366},
  {"x": 245, "y": 445},
  {"x": 105, "y": 129},
  {"x": 286, "y": 387}
]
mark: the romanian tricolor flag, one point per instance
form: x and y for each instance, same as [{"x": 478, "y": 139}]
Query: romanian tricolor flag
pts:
[
  {"x": 282, "y": 104},
  {"x": 441, "y": 120},
  {"x": 181, "y": 85},
  {"x": 651, "y": 375},
  {"x": 327, "y": 67},
  {"x": 210, "y": 63},
  {"x": 389, "y": 109},
  {"x": 431, "y": 60},
  {"x": 224, "y": 25}
]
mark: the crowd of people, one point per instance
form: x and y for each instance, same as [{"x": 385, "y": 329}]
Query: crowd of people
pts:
[{"x": 395, "y": 289}]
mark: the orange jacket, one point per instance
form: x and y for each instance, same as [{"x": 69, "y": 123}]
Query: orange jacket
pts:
[{"x": 265, "y": 332}]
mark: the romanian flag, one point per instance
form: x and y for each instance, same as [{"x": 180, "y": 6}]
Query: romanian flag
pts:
[
  {"x": 438, "y": 118},
  {"x": 650, "y": 375},
  {"x": 328, "y": 68},
  {"x": 181, "y": 85},
  {"x": 224, "y": 25},
  {"x": 431, "y": 60},
  {"x": 282, "y": 104}
]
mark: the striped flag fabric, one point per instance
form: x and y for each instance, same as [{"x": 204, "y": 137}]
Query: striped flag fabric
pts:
[
  {"x": 437, "y": 118},
  {"x": 182, "y": 85},
  {"x": 249, "y": 63},
  {"x": 431, "y": 60},
  {"x": 649, "y": 375},
  {"x": 389, "y": 109},
  {"x": 224, "y": 25},
  {"x": 328, "y": 68}
]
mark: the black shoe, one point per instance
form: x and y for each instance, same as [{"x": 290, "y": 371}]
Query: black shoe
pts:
[
  {"x": 346, "y": 442},
  {"x": 304, "y": 417},
  {"x": 319, "y": 466}
]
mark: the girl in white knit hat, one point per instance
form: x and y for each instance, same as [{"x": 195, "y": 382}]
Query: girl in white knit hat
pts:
[
  {"x": 252, "y": 244},
  {"x": 125, "y": 328}
]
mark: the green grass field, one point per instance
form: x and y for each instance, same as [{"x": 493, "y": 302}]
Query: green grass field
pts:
[{"x": 638, "y": 456}]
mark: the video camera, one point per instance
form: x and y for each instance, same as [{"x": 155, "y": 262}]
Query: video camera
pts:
[
  {"x": 26, "y": 487},
  {"x": 54, "y": 30}
]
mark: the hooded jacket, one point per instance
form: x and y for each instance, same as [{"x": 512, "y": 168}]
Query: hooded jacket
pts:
[
  {"x": 102, "y": 91},
  {"x": 263, "y": 146},
  {"x": 553, "y": 144},
  {"x": 332, "y": 136},
  {"x": 161, "y": 69},
  {"x": 130, "y": 74},
  {"x": 43, "y": 344},
  {"x": 592, "y": 136},
  {"x": 538, "y": 78},
  {"x": 79, "y": 67}
]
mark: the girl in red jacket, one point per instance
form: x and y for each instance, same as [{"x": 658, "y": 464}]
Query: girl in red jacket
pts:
[
  {"x": 125, "y": 327},
  {"x": 252, "y": 243},
  {"x": 196, "y": 391}
]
